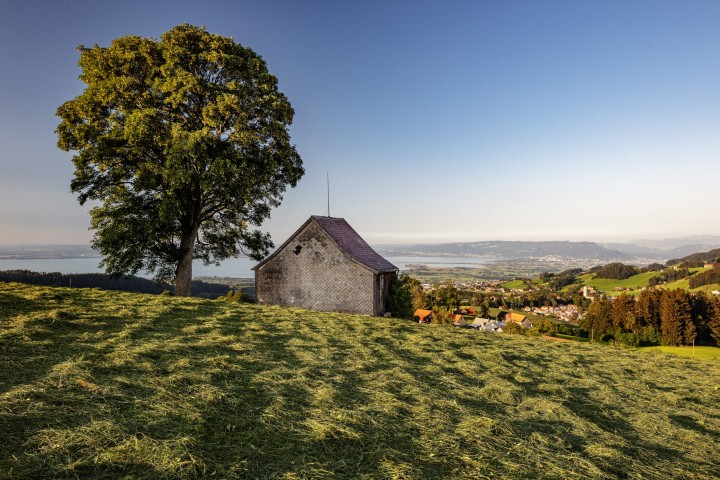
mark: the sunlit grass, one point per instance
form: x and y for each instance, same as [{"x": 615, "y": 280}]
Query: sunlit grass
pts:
[
  {"x": 607, "y": 285},
  {"x": 517, "y": 284},
  {"x": 97, "y": 384},
  {"x": 699, "y": 352}
]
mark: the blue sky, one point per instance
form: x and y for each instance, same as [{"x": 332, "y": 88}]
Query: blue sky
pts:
[{"x": 437, "y": 121}]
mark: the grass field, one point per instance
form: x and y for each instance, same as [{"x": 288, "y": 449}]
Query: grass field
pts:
[
  {"x": 700, "y": 353},
  {"x": 516, "y": 284},
  {"x": 684, "y": 284},
  {"x": 636, "y": 282},
  {"x": 707, "y": 288},
  {"x": 607, "y": 285},
  {"x": 105, "y": 385}
]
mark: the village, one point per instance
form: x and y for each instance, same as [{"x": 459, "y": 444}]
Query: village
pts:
[
  {"x": 326, "y": 265},
  {"x": 567, "y": 314}
]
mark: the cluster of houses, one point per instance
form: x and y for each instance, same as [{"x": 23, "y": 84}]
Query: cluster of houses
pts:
[
  {"x": 478, "y": 323},
  {"x": 567, "y": 313},
  {"x": 488, "y": 286}
]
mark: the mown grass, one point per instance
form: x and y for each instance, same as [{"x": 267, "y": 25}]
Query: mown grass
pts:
[{"x": 100, "y": 384}]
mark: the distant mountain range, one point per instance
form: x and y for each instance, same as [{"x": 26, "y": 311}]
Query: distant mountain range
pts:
[
  {"x": 638, "y": 251},
  {"x": 509, "y": 250},
  {"x": 26, "y": 252},
  {"x": 641, "y": 251},
  {"x": 668, "y": 248},
  {"x": 680, "y": 242}
]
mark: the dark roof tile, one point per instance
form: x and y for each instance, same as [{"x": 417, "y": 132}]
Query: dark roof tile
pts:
[{"x": 353, "y": 244}]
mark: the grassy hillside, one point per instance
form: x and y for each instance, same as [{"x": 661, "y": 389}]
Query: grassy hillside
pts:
[
  {"x": 702, "y": 353},
  {"x": 105, "y": 385},
  {"x": 636, "y": 282},
  {"x": 607, "y": 285},
  {"x": 517, "y": 284}
]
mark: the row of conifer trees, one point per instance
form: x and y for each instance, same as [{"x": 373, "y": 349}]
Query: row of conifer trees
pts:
[{"x": 667, "y": 317}]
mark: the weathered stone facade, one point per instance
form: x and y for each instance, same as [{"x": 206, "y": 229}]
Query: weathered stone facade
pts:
[{"x": 312, "y": 271}]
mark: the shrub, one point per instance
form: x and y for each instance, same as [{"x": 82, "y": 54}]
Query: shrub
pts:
[
  {"x": 234, "y": 296},
  {"x": 514, "y": 329},
  {"x": 607, "y": 337},
  {"x": 545, "y": 327},
  {"x": 400, "y": 297},
  {"x": 629, "y": 339},
  {"x": 566, "y": 330},
  {"x": 649, "y": 336},
  {"x": 442, "y": 317}
]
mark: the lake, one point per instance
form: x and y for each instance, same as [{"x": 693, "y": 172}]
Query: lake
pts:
[{"x": 237, "y": 267}]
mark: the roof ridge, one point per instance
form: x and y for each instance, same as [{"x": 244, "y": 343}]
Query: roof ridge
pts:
[{"x": 347, "y": 238}]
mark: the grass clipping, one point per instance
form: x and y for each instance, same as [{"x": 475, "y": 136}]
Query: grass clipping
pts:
[{"x": 100, "y": 384}]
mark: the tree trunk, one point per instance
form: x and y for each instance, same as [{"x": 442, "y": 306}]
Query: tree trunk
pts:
[{"x": 183, "y": 272}]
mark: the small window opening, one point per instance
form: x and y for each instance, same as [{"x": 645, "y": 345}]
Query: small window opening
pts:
[{"x": 298, "y": 249}]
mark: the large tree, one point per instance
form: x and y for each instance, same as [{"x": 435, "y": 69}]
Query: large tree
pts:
[
  {"x": 598, "y": 320},
  {"x": 676, "y": 318},
  {"x": 184, "y": 144},
  {"x": 622, "y": 313}
]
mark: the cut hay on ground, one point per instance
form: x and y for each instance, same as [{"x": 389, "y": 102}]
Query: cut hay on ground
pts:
[{"x": 98, "y": 384}]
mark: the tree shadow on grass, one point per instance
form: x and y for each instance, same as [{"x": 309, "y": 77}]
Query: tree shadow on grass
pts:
[
  {"x": 690, "y": 423},
  {"x": 315, "y": 426},
  {"x": 635, "y": 444},
  {"x": 12, "y": 304},
  {"x": 275, "y": 397}
]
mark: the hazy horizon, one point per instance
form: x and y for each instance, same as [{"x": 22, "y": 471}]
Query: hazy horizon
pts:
[
  {"x": 691, "y": 240},
  {"x": 471, "y": 121}
]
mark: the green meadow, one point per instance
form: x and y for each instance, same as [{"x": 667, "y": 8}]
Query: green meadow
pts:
[
  {"x": 517, "y": 284},
  {"x": 637, "y": 282},
  {"x": 698, "y": 352},
  {"x": 101, "y": 385},
  {"x": 607, "y": 285}
]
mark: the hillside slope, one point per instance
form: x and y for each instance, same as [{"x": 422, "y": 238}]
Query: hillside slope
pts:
[{"x": 106, "y": 384}]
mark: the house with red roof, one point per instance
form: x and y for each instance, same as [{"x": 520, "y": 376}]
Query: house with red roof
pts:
[{"x": 325, "y": 265}]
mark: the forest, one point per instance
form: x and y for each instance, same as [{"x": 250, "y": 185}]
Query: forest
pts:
[
  {"x": 128, "y": 283},
  {"x": 667, "y": 317},
  {"x": 705, "y": 278}
]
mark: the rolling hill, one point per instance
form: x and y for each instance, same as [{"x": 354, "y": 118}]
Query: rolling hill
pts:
[{"x": 102, "y": 384}]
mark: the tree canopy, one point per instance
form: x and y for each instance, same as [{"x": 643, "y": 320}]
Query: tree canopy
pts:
[
  {"x": 616, "y": 271},
  {"x": 184, "y": 143}
]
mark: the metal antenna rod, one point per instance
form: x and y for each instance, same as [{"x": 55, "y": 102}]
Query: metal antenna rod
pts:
[{"x": 328, "y": 192}]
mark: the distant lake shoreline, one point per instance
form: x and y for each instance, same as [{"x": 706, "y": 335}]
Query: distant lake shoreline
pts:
[{"x": 234, "y": 268}]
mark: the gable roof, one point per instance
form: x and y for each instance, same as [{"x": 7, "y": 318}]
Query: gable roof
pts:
[
  {"x": 422, "y": 314},
  {"x": 347, "y": 239},
  {"x": 515, "y": 317}
]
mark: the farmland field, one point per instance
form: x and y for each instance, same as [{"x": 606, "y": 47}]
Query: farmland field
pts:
[
  {"x": 518, "y": 284},
  {"x": 607, "y": 285},
  {"x": 98, "y": 384},
  {"x": 699, "y": 352}
]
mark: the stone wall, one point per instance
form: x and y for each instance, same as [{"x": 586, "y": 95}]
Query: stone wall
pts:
[{"x": 312, "y": 272}]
